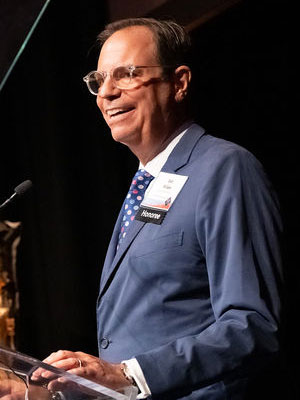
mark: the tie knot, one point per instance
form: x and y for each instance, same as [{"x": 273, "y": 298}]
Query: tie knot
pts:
[{"x": 141, "y": 180}]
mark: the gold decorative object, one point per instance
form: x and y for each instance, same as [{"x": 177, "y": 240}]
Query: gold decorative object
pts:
[{"x": 10, "y": 234}]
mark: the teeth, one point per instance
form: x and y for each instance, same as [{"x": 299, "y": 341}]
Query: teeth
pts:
[{"x": 115, "y": 111}]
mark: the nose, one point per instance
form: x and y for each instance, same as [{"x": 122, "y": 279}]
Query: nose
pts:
[{"x": 108, "y": 89}]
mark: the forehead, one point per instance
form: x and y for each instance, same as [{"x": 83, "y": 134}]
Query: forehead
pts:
[{"x": 133, "y": 45}]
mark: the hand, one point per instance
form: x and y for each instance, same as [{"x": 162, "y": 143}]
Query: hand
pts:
[{"x": 85, "y": 365}]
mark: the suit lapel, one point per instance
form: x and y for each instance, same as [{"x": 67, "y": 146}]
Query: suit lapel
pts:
[
  {"x": 177, "y": 159},
  {"x": 112, "y": 262},
  {"x": 182, "y": 152},
  {"x": 111, "y": 251}
]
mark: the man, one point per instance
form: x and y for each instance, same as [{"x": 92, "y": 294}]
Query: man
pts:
[{"x": 189, "y": 303}]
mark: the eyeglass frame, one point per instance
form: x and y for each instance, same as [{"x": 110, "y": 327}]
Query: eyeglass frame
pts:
[{"x": 131, "y": 69}]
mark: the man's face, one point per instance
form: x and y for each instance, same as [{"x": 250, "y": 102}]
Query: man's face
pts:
[{"x": 140, "y": 116}]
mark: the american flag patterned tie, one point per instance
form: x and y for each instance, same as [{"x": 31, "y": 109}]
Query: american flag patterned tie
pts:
[{"x": 133, "y": 200}]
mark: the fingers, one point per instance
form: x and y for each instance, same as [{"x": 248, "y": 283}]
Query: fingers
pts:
[
  {"x": 59, "y": 355},
  {"x": 62, "y": 359},
  {"x": 62, "y": 384},
  {"x": 57, "y": 359},
  {"x": 67, "y": 363},
  {"x": 84, "y": 365}
]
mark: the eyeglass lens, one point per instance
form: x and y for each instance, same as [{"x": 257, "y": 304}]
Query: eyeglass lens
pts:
[{"x": 123, "y": 78}]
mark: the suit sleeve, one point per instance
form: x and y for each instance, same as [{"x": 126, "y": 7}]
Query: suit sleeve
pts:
[{"x": 238, "y": 229}]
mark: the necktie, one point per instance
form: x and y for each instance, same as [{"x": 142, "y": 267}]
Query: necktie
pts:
[{"x": 133, "y": 200}]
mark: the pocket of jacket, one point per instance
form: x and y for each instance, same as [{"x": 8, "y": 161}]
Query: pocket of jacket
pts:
[{"x": 158, "y": 244}]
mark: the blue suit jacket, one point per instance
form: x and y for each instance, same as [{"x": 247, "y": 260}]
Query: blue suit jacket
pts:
[{"x": 195, "y": 300}]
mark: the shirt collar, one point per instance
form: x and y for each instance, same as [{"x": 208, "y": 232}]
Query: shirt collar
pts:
[{"x": 155, "y": 165}]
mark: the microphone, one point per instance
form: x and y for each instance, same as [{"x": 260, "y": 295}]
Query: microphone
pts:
[{"x": 18, "y": 191}]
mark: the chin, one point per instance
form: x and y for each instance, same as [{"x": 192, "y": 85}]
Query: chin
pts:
[{"x": 122, "y": 136}]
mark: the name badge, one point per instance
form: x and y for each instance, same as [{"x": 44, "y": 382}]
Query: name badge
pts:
[{"x": 160, "y": 197}]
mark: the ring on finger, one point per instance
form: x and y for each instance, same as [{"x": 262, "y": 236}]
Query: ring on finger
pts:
[{"x": 79, "y": 363}]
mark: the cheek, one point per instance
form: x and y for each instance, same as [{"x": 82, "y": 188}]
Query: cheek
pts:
[
  {"x": 148, "y": 103},
  {"x": 162, "y": 96},
  {"x": 99, "y": 103}
]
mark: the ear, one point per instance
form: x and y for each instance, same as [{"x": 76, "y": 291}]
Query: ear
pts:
[{"x": 183, "y": 76}]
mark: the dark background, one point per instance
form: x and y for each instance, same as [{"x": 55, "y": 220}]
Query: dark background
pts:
[
  {"x": 53, "y": 134},
  {"x": 17, "y": 20}
]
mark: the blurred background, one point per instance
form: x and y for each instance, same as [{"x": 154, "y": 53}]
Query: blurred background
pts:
[{"x": 53, "y": 134}]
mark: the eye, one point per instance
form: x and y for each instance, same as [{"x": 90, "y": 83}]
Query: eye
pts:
[
  {"x": 95, "y": 81},
  {"x": 137, "y": 72},
  {"x": 98, "y": 77},
  {"x": 122, "y": 73}
]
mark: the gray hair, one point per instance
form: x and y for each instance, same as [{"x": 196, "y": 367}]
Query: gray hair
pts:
[{"x": 172, "y": 41}]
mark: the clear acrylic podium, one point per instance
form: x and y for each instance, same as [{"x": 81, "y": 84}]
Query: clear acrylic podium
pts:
[{"x": 15, "y": 382}]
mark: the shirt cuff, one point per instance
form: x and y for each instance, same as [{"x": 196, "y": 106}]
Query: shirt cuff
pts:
[{"x": 136, "y": 372}]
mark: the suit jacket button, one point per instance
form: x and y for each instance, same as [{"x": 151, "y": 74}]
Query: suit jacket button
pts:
[{"x": 104, "y": 343}]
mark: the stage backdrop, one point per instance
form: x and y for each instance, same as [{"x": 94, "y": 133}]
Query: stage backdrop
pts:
[{"x": 53, "y": 133}]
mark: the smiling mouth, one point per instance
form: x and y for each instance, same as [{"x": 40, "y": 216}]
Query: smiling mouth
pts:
[{"x": 116, "y": 112}]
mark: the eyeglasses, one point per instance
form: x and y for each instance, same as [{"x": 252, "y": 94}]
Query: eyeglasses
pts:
[{"x": 123, "y": 77}]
